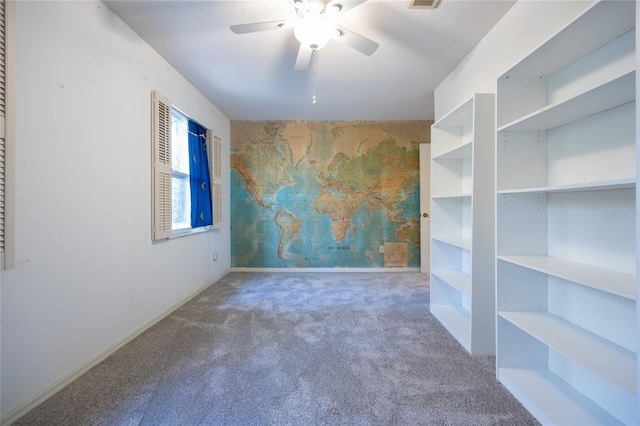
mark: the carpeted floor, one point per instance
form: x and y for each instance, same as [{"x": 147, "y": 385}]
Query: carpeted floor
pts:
[{"x": 292, "y": 349}]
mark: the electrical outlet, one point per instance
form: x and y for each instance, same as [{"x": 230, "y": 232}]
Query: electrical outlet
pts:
[
  {"x": 381, "y": 249},
  {"x": 215, "y": 256}
]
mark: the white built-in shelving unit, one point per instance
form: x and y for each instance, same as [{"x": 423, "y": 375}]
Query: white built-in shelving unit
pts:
[
  {"x": 462, "y": 223},
  {"x": 565, "y": 223}
]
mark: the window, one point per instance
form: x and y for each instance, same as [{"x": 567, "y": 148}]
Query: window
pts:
[
  {"x": 180, "y": 186},
  {"x": 2, "y": 132},
  {"x": 185, "y": 190}
]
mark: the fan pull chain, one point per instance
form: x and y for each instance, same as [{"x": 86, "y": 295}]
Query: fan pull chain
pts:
[{"x": 314, "y": 98}]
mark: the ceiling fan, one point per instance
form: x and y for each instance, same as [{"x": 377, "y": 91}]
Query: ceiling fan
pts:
[{"x": 314, "y": 27}]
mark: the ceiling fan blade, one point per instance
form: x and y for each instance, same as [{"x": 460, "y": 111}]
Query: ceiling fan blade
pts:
[
  {"x": 304, "y": 58},
  {"x": 259, "y": 26},
  {"x": 344, "y": 5},
  {"x": 356, "y": 41}
]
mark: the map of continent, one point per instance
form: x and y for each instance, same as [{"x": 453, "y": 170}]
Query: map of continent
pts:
[{"x": 324, "y": 194}]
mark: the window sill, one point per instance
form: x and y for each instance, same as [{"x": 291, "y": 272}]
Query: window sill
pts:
[{"x": 179, "y": 233}]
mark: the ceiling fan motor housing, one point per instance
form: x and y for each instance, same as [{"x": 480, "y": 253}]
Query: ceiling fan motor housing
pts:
[{"x": 306, "y": 7}]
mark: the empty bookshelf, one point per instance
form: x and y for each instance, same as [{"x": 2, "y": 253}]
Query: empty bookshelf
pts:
[
  {"x": 462, "y": 223},
  {"x": 566, "y": 220}
]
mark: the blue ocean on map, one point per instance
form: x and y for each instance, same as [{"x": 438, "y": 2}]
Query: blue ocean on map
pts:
[{"x": 256, "y": 233}]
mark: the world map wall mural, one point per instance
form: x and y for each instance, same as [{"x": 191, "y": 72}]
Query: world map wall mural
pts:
[{"x": 320, "y": 194}]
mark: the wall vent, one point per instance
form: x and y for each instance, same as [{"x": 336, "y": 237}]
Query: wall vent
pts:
[{"x": 423, "y": 4}]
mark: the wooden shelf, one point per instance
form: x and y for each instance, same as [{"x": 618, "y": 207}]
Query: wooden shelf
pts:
[
  {"x": 552, "y": 400},
  {"x": 606, "y": 280},
  {"x": 597, "y": 26},
  {"x": 616, "y": 92},
  {"x": 444, "y": 197},
  {"x": 456, "y": 320},
  {"x": 580, "y": 345},
  {"x": 458, "y": 117},
  {"x": 457, "y": 153},
  {"x": 460, "y": 242},
  {"x": 627, "y": 183},
  {"x": 456, "y": 279}
]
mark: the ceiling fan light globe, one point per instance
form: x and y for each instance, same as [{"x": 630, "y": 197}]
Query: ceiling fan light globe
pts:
[{"x": 314, "y": 32}]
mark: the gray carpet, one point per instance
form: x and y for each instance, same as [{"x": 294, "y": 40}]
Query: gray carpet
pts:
[{"x": 292, "y": 349}]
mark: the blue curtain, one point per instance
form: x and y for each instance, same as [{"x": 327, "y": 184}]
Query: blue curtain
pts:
[{"x": 199, "y": 171}]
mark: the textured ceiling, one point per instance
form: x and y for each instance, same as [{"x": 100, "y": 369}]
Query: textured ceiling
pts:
[{"x": 252, "y": 76}]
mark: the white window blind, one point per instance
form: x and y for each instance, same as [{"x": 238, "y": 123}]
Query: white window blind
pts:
[
  {"x": 216, "y": 181},
  {"x": 2, "y": 125},
  {"x": 161, "y": 166}
]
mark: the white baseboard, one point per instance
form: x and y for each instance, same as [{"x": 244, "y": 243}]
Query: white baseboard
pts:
[
  {"x": 46, "y": 393},
  {"x": 376, "y": 270}
]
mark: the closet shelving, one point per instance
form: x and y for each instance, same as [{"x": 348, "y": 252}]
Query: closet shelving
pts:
[
  {"x": 566, "y": 220},
  {"x": 462, "y": 228}
]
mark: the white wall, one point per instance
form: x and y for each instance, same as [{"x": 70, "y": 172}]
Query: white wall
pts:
[
  {"x": 87, "y": 275},
  {"x": 525, "y": 26},
  {"x": 637, "y": 190}
]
